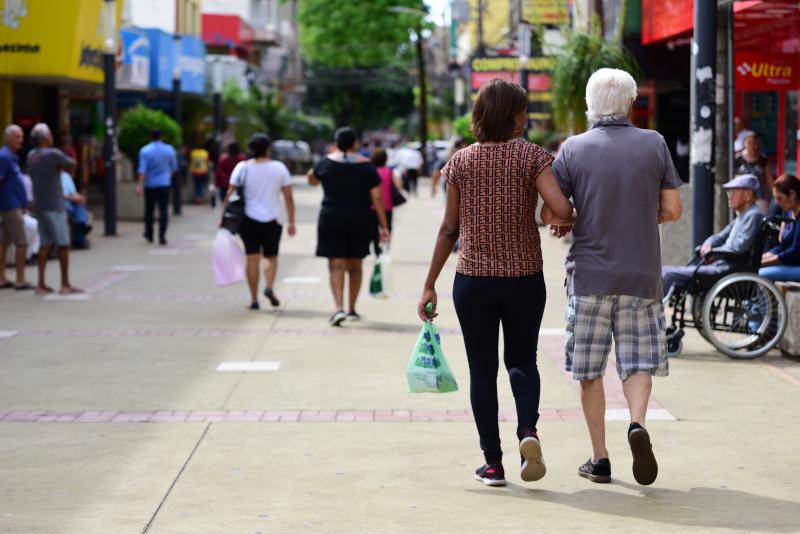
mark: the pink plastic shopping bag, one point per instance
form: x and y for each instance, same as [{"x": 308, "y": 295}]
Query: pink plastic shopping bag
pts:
[{"x": 227, "y": 257}]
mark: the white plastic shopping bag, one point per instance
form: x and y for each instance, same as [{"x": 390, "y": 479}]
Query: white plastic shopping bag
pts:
[
  {"x": 31, "y": 235},
  {"x": 227, "y": 257}
]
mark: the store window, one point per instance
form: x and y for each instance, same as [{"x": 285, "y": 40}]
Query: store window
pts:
[{"x": 792, "y": 129}]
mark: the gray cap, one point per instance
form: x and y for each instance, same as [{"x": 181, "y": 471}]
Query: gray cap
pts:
[{"x": 744, "y": 181}]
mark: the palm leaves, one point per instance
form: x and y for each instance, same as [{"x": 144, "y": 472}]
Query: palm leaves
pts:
[{"x": 583, "y": 54}]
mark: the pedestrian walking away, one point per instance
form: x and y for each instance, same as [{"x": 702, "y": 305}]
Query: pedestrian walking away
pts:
[
  {"x": 45, "y": 164},
  {"x": 264, "y": 181},
  {"x": 157, "y": 165},
  {"x": 493, "y": 188},
  {"x": 351, "y": 186},
  {"x": 13, "y": 204},
  {"x": 198, "y": 167},
  {"x": 389, "y": 183},
  {"x": 613, "y": 282},
  {"x": 227, "y": 162}
]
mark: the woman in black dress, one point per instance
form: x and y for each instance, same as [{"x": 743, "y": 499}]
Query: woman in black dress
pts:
[{"x": 351, "y": 185}]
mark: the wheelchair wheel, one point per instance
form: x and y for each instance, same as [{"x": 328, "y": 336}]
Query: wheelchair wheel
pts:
[
  {"x": 697, "y": 315},
  {"x": 744, "y": 315}
]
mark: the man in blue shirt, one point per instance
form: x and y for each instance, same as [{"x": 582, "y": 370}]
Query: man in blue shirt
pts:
[
  {"x": 157, "y": 163},
  {"x": 13, "y": 202}
]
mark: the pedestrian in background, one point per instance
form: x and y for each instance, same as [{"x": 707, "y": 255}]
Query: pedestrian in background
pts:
[
  {"x": 227, "y": 162},
  {"x": 351, "y": 185},
  {"x": 493, "y": 188},
  {"x": 752, "y": 161},
  {"x": 411, "y": 161},
  {"x": 13, "y": 204},
  {"x": 198, "y": 168},
  {"x": 157, "y": 165},
  {"x": 782, "y": 262},
  {"x": 624, "y": 184},
  {"x": 436, "y": 175},
  {"x": 45, "y": 164},
  {"x": 264, "y": 181},
  {"x": 75, "y": 204},
  {"x": 388, "y": 182}
]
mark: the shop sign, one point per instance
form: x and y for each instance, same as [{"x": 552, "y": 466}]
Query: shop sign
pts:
[
  {"x": 47, "y": 38},
  {"x": 484, "y": 69},
  {"x": 550, "y": 12},
  {"x": 193, "y": 65},
  {"x": 766, "y": 72},
  {"x": 134, "y": 69}
]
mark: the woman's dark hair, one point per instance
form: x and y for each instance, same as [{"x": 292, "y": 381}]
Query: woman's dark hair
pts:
[
  {"x": 345, "y": 138},
  {"x": 494, "y": 116},
  {"x": 379, "y": 157},
  {"x": 234, "y": 150},
  {"x": 259, "y": 145},
  {"x": 786, "y": 183}
]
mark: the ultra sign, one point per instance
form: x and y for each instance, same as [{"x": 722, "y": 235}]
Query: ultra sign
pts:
[{"x": 766, "y": 72}]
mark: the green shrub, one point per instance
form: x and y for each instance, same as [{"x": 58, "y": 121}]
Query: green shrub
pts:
[
  {"x": 137, "y": 125},
  {"x": 461, "y": 127}
]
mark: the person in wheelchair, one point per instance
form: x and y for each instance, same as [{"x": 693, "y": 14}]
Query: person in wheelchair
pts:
[
  {"x": 728, "y": 250},
  {"x": 782, "y": 262}
]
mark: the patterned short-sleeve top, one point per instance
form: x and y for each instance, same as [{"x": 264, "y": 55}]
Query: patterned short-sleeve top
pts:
[{"x": 497, "y": 210}]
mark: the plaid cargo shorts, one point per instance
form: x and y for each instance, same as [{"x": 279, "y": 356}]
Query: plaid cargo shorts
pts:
[{"x": 638, "y": 329}]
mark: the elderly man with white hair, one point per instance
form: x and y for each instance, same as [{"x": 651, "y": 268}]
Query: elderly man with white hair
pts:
[
  {"x": 623, "y": 184},
  {"x": 44, "y": 167}
]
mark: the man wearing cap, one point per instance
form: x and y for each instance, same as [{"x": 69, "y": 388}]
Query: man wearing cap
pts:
[{"x": 737, "y": 238}]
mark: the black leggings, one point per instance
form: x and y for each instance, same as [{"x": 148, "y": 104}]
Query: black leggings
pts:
[{"x": 482, "y": 303}]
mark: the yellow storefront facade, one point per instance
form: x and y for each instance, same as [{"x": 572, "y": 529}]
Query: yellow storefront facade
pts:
[{"x": 50, "y": 52}]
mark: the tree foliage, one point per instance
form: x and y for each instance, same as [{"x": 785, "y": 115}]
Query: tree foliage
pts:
[
  {"x": 136, "y": 127},
  {"x": 344, "y": 33},
  {"x": 582, "y": 55},
  {"x": 361, "y": 98}
]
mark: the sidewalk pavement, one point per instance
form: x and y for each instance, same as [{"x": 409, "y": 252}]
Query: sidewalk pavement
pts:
[{"x": 114, "y": 416}]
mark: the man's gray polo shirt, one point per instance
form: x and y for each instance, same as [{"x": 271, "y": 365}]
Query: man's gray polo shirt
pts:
[{"x": 614, "y": 174}]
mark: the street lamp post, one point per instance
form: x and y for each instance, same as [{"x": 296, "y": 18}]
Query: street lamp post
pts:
[
  {"x": 177, "y": 183},
  {"x": 110, "y": 108},
  {"x": 422, "y": 79},
  {"x": 216, "y": 75}
]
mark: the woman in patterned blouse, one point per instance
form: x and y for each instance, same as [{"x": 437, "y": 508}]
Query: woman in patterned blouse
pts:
[{"x": 493, "y": 189}]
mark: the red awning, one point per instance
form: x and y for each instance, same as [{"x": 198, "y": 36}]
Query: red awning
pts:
[
  {"x": 227, "y": 30},
  {"x": 759, "y": 25}
]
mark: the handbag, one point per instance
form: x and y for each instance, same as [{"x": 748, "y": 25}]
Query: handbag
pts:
[
  {"x": 398, "y": 199},
  {"x": 234, "y": 212}
]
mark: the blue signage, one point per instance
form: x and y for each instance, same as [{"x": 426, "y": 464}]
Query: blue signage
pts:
[
  {"x": 193, "y": 65},
  {"x": 161, "y": 46},
  {"x": 134, "y": 69}
]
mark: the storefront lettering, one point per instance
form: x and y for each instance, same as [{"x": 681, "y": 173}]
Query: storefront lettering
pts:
[
  {"x": 18, "y": 48},
  {"x": 91, "y": 57}
]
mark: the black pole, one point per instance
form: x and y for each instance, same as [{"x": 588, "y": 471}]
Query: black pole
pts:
[
  {"x": 177, "y": 181},
  {"x": 109, "y": 143},
  {"x": 217, "y": 126},
  {"x": 423, "y": 99},
  {"x": 704, "y": 62}
]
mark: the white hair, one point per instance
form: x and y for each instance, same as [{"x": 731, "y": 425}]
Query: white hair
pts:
[
  {"x": 11, "y": 130},
  {"x": 39, "y": 133},
  {"x": 609, "y": 94}
]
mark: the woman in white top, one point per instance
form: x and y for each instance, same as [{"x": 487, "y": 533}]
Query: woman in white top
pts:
[{"x": 264, "y": 180}]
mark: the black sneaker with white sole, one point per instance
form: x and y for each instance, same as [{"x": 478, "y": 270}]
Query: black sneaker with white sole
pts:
[
  {"x": 337, "y": 318},
  {"x": 645, "y": 467},
  {"x": 353, "y": 317},
  {"x": 530, "y": 449},
  {"x": 599, "y": 471},
  {"x": 491, "y": 474}
]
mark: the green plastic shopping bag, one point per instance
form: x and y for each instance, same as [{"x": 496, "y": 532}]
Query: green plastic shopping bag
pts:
[
  {"x": 376, "y": 281},
  {"x": 427, "y": 370}
]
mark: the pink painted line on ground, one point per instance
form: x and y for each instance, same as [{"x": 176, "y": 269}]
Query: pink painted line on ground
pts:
[
  {"x": 231, "y": 332},
  {"x": 271, "y": 416},
  {"x": 553, "y": 347},
  {"x": 778, "y": 371}
]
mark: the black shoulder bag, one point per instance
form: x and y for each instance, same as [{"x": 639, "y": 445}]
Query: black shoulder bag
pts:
[{"x": 234, "y": 212}]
